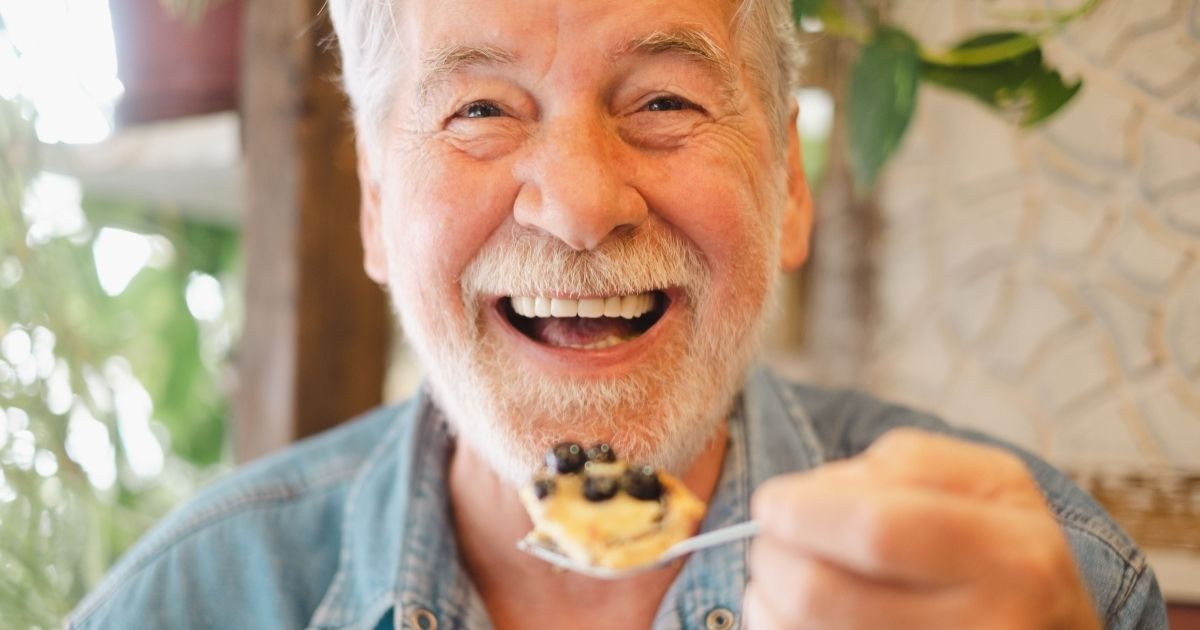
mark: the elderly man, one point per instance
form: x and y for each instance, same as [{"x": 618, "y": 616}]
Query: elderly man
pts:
[{"x": 581, "y": 209}]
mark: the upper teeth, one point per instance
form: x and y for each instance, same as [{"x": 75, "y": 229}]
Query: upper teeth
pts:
[{"x": 627, "y": 306}]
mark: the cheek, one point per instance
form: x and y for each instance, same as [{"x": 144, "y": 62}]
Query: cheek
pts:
[
  {"x": 717, "y": 206},
  {"x": 439, "y": 218}
]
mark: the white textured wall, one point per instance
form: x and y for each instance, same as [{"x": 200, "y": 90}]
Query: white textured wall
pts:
[{"x": 1045, "y": 285}]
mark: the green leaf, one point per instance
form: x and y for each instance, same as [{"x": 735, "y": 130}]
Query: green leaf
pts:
[
  {"x": 985, "y": 49},
  {"x": 1047, "y": 94},
  {"x": 1021, "y": 87},
  {"x": 883, "y": 95}
]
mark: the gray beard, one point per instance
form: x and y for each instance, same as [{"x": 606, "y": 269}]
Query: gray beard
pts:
[{"x": 663, "y": 414}]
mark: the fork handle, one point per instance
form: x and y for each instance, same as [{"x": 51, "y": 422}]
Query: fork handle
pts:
[{"x": 749, "y": 529}]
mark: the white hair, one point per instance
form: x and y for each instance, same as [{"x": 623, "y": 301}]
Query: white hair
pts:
[
  {"x": 367, "y": 36},
  {"x": 767, "y": 30}
]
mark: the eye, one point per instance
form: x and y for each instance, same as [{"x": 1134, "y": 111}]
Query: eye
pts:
[
  {"x": 668, "y": 104},
  {"x": 481, "y": 109}
]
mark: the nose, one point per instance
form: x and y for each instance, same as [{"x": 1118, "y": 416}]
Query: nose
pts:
[{"x": 575, "y": 186}]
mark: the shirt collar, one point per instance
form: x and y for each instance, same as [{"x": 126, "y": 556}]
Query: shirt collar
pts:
[
  {"x": 430, "y": 578},
  {"x": 780, "y": 435},
  {"x": 398, "y": 508}
]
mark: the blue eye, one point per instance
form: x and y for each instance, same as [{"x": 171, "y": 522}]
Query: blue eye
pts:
[
  {"x": 482, "y": 109},
  {"x": 667, "y": 104}
]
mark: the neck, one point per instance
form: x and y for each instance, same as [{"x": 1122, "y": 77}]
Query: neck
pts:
[{"x": 516, "y": 587}]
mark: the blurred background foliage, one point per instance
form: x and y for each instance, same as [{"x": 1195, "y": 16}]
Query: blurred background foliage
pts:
[{"x": 116, "y": 324}]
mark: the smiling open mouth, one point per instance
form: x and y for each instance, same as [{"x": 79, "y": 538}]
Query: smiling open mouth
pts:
[{"x": 587, "y": 324}]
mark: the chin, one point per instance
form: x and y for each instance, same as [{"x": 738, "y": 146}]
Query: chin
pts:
[
  {"x": 514, "y": 444},
  {"x": 662, "y": 413}
]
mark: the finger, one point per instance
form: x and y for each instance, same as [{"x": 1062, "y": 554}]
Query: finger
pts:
[
  {"x": 919, "y": 457},
  {"x": 758, "y": 615},
  {"x": 893, "y": 532},
  {"x": 799, "y": 591}
]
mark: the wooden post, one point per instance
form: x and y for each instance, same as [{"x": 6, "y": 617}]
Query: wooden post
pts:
[
  {"x": 316, "y": 334},
  {"x": 840, "y": 307}
]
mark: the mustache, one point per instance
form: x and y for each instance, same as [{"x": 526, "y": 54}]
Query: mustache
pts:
[{"x": 523, "y": 261}]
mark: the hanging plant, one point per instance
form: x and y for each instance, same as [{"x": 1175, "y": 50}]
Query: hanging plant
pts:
[{"x": 1003, "y": 70}]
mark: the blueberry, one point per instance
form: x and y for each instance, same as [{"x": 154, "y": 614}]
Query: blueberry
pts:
[
  {"x": 601, "y": 453},
  {"x": 565, "y": 458},
  {"x": 642, "y": 482},
  {"x": 543, "y": 487},
  {"x": 599, "y": 488}
]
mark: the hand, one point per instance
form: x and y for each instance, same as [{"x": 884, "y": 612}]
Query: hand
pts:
[{"x": 920, "y": 531}]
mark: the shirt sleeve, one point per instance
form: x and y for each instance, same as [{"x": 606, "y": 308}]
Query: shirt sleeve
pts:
[{"x": 1143, "y": 609}]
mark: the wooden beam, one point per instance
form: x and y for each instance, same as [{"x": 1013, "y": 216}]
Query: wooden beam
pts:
[{"x": 315, "y": 341}]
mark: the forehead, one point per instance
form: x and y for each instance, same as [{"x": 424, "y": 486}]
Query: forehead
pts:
[{"x": 537, "y": 31}]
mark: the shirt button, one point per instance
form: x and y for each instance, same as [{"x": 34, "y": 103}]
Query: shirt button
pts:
[
  {"x": 422, "y": 619},
  {"x": 719, "y": 619}
]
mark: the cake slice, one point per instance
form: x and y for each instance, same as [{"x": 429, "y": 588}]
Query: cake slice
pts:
[{"x": 605, "y": 512}]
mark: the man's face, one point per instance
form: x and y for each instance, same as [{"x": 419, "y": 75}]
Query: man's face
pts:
[{"x": 567, "y": 158}]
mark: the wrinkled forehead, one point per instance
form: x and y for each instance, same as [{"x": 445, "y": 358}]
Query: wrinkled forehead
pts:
[{"x": 435, "y": 32}]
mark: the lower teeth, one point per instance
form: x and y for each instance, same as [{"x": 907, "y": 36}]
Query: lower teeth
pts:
[{"x": 609, "y": 342}]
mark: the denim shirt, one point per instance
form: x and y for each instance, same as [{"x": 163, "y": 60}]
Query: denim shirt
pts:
[{"x": 352, "y": 528}]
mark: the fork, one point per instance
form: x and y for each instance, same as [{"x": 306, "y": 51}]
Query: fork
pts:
[{"x": 682, "y": 548}]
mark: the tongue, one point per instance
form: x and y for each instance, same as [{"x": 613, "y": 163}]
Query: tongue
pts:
[{"x": 579, "y": 331}]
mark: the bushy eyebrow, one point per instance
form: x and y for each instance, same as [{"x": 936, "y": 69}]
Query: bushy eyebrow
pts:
[
  {"x": 690, "y": 42},
  {"x": 442, "y": 63}
]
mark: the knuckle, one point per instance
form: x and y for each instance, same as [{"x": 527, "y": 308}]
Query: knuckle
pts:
[
  {"x": 1053, "y": 563},
  {"x": 1040, "y": 568},
  {"x": 877, "y": 535}
]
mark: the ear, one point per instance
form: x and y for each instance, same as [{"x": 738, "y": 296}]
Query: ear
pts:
[
  {"x": 370, "y": 221},
  {"x": 796, "y": 222}
]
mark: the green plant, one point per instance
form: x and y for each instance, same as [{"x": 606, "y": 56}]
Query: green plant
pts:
[
  {"x": 1003, "y": 70},
  {"x": 112, "y": 398},
  {"x": 111, "y": 405}
]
